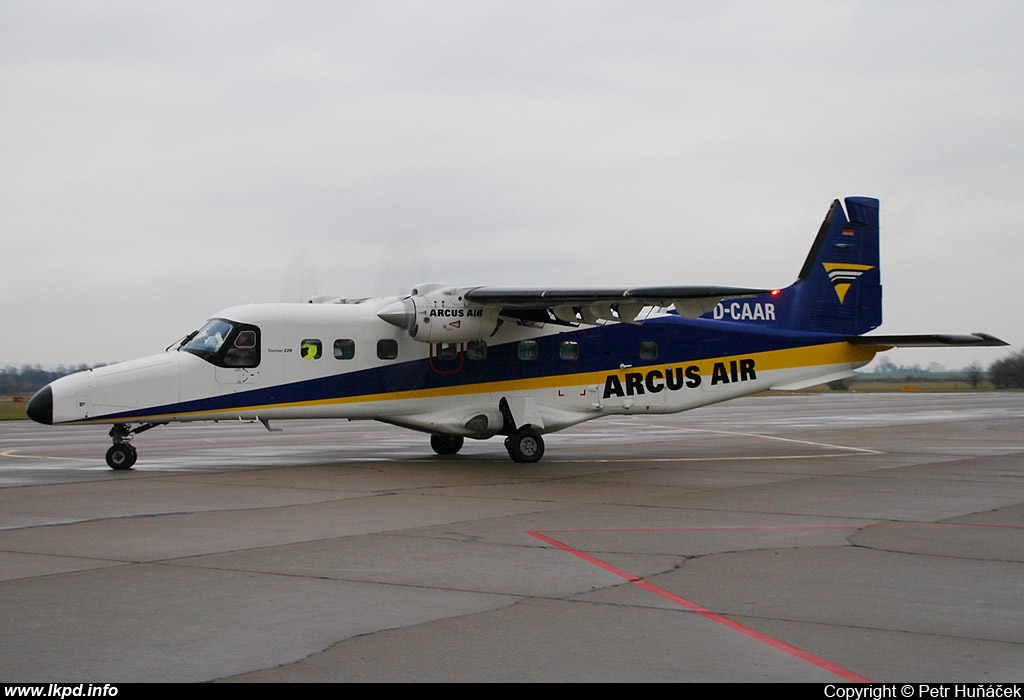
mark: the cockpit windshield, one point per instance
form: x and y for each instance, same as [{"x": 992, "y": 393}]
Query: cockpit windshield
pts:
[{"x": 226, "y": 344}]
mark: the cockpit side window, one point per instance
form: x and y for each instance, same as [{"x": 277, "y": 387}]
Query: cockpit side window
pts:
[
  {"x": 226, "y": 344},
  {"x": 244, "y": 350}
]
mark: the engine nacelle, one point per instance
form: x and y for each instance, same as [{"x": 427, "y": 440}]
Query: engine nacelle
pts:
[{"x": 441, "y": 314}]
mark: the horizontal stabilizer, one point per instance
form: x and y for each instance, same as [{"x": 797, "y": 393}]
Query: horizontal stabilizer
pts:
[{"x": 928, "y": 340}]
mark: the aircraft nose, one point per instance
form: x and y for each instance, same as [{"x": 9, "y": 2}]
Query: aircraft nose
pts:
[{"x": 40, "y": 408}]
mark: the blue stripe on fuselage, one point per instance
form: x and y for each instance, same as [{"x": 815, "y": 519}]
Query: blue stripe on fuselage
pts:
[{"x": 601, "y": 348}]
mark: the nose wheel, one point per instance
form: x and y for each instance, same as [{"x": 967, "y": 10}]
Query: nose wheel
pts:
[{"x": 122, "y": 456}]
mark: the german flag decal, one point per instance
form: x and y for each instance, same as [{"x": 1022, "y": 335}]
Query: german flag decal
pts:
[{"x": 843, "y": 275}]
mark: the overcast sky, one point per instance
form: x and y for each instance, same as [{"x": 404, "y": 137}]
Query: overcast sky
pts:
[{"x": 160, "y": 161}]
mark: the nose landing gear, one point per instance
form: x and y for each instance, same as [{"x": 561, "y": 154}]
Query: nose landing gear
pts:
[{"x": 123, "y": 455}]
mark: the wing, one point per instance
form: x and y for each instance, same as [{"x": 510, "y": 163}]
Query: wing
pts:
[{"x": 593, "y": 304}]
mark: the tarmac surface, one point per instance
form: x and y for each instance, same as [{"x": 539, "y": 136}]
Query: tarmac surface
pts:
[{"x": 820, "y": 537}]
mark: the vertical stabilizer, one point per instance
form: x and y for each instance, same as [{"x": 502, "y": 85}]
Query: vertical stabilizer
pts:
[{"x": 839, "y": 289}]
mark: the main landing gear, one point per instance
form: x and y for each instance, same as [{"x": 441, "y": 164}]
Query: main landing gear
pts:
[
  {"x": 123, "y": 455},
  {"x": 525, "y": 445},
  {"x": 446, "y": 444}
]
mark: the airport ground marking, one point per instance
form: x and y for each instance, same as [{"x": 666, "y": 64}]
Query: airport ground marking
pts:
[
  {"x": 12, "y": 454},
  {"x": 848, "y": 451},
  {"x": 863, "y": 450},
  {"x": 710, "y": 615},
  {"x": 719, "y": 618}
]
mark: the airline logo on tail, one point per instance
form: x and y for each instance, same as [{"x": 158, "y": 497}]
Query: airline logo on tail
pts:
[{"x": 843, "y": 275}]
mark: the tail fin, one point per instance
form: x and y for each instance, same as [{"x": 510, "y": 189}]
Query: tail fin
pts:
[{"x": 839, "y": 289}]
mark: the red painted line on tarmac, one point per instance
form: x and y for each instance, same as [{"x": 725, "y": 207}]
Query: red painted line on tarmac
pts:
[
  {"x": 718, "y": 618},
  {"x": 710, "y": 615},
  {"x": 585, "y": 557},
  {"x": 785, "y": 528}
]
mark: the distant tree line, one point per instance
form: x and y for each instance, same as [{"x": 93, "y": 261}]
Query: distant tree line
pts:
[
  {"x": 973, "y": 374},
  {"x": 31, "y": 378},
  {"x": 1008, "y": 373}
]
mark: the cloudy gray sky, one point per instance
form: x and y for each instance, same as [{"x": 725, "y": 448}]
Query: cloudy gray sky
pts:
[{"x": 162, "y": 160}]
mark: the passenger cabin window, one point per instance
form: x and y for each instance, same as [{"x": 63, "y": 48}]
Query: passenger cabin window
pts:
[
  {"x": 569, "y": 350},
  {"x": 387, "y": 349},
  {"x": 648, "y": 350},
  {"x": 476, "y": 349},
  {"x": 447, "y": 351},
  {"x": 344, "y": 349},
  {"x": 226, "y": 344},
  {"x": 311, "y": 349},
  {"x": 528, "y": 350}
]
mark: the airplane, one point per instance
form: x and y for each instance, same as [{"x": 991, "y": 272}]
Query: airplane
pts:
[{"x": 478, "y": 362}]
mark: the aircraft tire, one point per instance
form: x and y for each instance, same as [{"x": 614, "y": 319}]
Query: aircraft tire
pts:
[
  {"x": 446, "y": 444},
  {"x": 121, "y": 457},
  {"x": 526, "y": 445}
]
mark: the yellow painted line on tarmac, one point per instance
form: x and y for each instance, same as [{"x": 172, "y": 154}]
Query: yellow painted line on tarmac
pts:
[
  {"x": 13, "y": 455},
  {"x": 848, "y": 451}
]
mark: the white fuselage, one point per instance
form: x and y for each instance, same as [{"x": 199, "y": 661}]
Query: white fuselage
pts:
[{"x": 340, "y": 360}]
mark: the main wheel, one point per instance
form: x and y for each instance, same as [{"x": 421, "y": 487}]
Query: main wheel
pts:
[
  {"x": 446, "y": 444},
  {"x": 526, "y": 445},
  {"x": 121, "y": 456}
]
